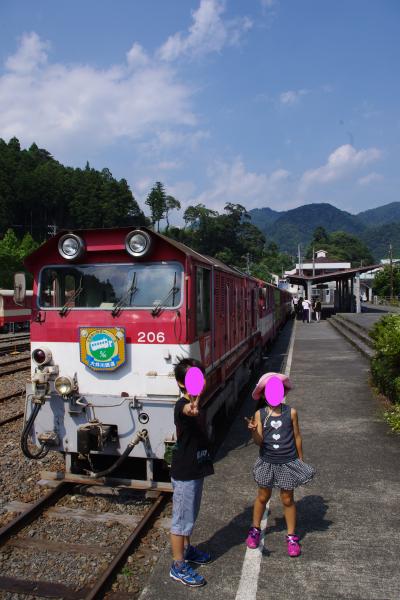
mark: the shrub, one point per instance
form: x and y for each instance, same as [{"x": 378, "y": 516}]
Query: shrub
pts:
[
  {"x": 392, "y": 416},
  {"x": 385, "y": 366}
]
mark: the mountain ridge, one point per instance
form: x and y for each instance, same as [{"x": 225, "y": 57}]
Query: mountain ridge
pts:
[{"x": 296, "y": 226}]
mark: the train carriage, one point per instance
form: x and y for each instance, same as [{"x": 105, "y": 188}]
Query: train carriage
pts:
[
  {"x": 14, "y": 317},
  {"x": 112, "y": 311}
]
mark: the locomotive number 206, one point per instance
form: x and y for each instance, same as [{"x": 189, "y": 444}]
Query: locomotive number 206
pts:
[{"x": 149, "y": 337}]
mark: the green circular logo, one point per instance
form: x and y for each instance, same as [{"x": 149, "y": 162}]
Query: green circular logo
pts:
[{"x": 102, "y": 347}]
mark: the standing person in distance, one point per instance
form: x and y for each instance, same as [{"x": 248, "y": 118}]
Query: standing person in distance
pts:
[
  {"x": 191, "y": 462},
  {"x": 295, "y": 305},
  {"x": 306, "y": 305},
  {"x": 300, "y": 307},
  {"x": 280, "y": 464},
  {"x": 318, "y": 309}
]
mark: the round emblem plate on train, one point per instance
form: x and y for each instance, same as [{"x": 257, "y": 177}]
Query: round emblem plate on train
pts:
[{"x": 102, "y": 348}]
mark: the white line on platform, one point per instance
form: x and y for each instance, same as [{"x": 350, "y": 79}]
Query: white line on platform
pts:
[
  {"x": 248, "y": 583},
  {"x": 290, "y": 353}
]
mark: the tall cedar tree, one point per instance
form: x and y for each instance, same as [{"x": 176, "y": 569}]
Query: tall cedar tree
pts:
[{"x": 157, "y": 201}]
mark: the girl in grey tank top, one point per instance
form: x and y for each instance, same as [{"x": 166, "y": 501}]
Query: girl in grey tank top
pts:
[{"x": 275, "y": 429}]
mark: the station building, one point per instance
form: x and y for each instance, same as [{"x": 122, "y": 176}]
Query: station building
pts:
[{"x": 321, "y": 265}]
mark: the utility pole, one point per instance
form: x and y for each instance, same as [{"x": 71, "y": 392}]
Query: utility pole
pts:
[
  {"x": 299, "y": 254},
  {"x": 313, "y": 261},
  {"x": 391, "y": 270}
]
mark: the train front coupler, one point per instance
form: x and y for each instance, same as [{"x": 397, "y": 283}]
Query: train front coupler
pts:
[{"x": 141, "y": 436}]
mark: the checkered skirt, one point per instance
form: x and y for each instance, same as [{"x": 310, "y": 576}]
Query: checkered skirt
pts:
[{"x": 286, "y": 476}]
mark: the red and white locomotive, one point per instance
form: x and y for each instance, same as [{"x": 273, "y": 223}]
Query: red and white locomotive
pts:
[
  {"x": 112, "y": 312},
  {"x": 14, "y": 317}
]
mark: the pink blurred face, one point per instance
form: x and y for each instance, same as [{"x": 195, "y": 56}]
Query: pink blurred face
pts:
[{"x": 274, "y": 391}]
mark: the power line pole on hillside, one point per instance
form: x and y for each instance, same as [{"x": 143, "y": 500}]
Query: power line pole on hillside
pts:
[{"x": 391, "y": 270}]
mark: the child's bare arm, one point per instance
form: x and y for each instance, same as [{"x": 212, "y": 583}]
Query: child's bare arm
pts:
[
  {"x": 297, "y": 434},
  {"x": 255, "y": 426}
]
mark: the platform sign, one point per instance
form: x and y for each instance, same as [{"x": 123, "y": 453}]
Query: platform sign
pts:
[{"x": 102, "y": 348}]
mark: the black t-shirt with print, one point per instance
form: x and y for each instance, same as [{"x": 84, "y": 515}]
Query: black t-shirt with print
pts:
[{"x": 191, "y": 456}]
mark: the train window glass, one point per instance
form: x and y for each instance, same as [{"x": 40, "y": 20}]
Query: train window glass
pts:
[
  {"x": 203, "y": 300},
  {"x": 143, "y": 285}
]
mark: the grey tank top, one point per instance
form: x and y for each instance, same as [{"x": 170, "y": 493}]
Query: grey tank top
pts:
[{"x": 278, "y": 445}]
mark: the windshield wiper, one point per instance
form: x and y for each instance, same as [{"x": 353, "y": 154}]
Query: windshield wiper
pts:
[
  {"x": 74, "y": 296},
  {"x": 158, "y": 307},
  {"x": 130, "y": 293}
]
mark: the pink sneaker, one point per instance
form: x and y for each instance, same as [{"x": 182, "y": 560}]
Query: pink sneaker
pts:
[
  {"x": 293, "y": 546},
  {"x": 253, "y": 537}
]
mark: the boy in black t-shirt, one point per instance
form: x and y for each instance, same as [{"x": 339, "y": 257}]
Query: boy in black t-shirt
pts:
[{"x": 191, "y": 462}]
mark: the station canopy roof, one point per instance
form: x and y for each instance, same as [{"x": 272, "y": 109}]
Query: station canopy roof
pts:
[{"x": 333, "y": 276}]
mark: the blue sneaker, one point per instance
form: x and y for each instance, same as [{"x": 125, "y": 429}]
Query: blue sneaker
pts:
[
  {"x": 186, "y": 575},
  {"x": 197, "y": 556}
]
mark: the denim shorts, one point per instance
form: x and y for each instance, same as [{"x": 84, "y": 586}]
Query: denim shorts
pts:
[{"x": 185, "y": 505}]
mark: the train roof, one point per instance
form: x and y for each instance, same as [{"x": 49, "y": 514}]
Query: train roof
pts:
[{"x": 40, "y": 253}]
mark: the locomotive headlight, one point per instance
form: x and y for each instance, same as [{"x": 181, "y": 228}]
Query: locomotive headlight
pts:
[
  {"x": 41, "y": 356},
  {"x": 64, "y": 385},
  {"x": 71, "y": 246},
  {"x": 138, "y": 243}
]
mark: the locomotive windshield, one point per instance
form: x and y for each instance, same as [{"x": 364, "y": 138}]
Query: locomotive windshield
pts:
[{"x": 106, "y": 286}]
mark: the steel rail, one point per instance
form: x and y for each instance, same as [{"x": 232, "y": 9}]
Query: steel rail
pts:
[
  {"x": 11, "y": 419},
  {"x": 34, "y": 511},
  {"x": 11, "y": 395},
  {"x": 105, "y": 578},
  {"x": 10, "y": 371}
]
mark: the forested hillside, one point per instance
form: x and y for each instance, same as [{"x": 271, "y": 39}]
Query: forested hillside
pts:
[
  {"x": 381, "y": 215},
  {"x": 377, "y": 227},
  {"x": 37, "y": 191}
]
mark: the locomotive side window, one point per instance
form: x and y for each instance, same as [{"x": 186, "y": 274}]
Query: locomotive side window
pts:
[
  {"x": 203, "y": 300},
  {"x": 143, "y": 285}
]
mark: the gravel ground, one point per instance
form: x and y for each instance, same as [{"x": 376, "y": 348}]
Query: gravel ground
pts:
[{"x": 18, "y": 481}]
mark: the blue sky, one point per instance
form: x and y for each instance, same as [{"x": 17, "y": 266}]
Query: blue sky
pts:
[{"x": 266, "y": 102}]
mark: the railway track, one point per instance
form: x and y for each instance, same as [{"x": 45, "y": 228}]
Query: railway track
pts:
[
  {"x": 11, "y": 344},
  {"x": 10, "y": 537},
  {"x": 13, "y": 366},
  {"x": 11, "y": 418}
]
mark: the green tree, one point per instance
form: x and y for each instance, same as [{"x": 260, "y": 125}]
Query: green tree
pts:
[
  {"x": 320, "y": 236},
  {"x": 382, "y": 285},
  {"x": 12, "y": 254},
  {"x": 171, "y": 203},
  {"x": 156, "y": 200}
]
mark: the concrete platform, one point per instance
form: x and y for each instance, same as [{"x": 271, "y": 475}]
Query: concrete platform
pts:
[
  {"x": 364, "y": 320},
  {"x": 348, "y": 517}
]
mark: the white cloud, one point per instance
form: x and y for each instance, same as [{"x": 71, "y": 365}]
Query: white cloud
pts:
[
  {"x": 370, "y": 178},
  {"x": 69, "y": 106},
  {"x": 342, "y": 163},
  {"x": 31, "y": 54},
  {"x": 137, "y": 57},
  {"x": 168, "y": 165},
  {"x": 231, "y": 182},
  {"x": 208, "y": 33},
  {"x": 292, "y": 96},
  {"x": 169, "y": 138}
]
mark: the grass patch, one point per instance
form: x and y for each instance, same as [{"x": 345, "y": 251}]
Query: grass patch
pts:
[{"x": 392, "y": 417}]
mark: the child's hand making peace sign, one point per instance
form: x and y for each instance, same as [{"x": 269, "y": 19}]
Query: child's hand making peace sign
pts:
[
  {"x": 191, "y": 409},
  {"x": 251, "y": 423}
]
